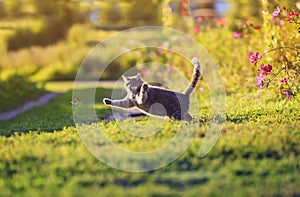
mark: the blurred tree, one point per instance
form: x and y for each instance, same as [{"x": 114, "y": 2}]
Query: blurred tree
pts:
[
  {"x": 146, "y": 10},
  {"x": 57, "y": 17},
  {"x": 12, "y": 7},
  {"x": 128, "y": 13},
  {"x": 2, "y": 10},
  {"x": 110, "y": 12}
]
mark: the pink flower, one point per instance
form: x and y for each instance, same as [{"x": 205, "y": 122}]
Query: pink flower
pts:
[
  {"x": 285, "y": 80},
  {"x": 257, "y": 27},
  {"x": 160, "y": 50},
  {"x": 254, "y": 57},
  {"x": 292, "y": 17},
  {"x": 145, "y": 73},
  {"x": 199, "y": 19},
  {"x": 290, "y": 20},
  {"x": 293, "y": 14},
  {"x": 236, "y": 35},
  {"x": 260, "y": 81},
  {"x": 246, "y": 23},
  {"x": 158, "y": 74},
  {"x": 168, "y": 70},
  {"x": 265, "y": 70},
  {"x": 276, "y": 12},
  {"x": 170, "y": 51},
  {"x": 197, "y": 29},
  {"x": 281, "y": 23},
  {"x": 287, "y": 94},
  {"x": 221, "y": 21}
]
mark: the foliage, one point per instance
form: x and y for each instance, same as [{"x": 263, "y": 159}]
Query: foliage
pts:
[
  {"x": 124, "y": 14},
  {"x": 281, "y": 50},
  {"x": 276, "y": 38},
  {"x": 173, "y": 17},
  {"x": 243, "y": 10},
  {"x": 62, "y": 60},
  {"x": 2, "y": 10},
  {"x": 56, "y": 17},
  {"x": 15, "y": 90}
]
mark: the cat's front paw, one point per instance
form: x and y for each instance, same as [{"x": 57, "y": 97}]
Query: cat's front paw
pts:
[{"x": 107, "y": 101}]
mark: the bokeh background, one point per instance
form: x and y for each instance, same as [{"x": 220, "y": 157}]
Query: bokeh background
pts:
[{"x": 47, "y": 40}]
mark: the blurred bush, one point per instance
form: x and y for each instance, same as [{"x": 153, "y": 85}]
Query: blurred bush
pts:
[
  {"x": 126, "y": 13},
  {"x": 173, "y": 17},
  {"x": 56, "y": 16},
  {"x": 48, "y": 40},
  {"x": 242, "y": 10},
  {"x": 255, "y": 33},
  {"x": 66, "y": 30},
  {"x": 2, "y": 10}
]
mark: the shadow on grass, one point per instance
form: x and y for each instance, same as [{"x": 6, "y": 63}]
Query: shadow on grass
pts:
[
  {"x": 181, "y": 181},
  {"x": 265, "y": 116}
]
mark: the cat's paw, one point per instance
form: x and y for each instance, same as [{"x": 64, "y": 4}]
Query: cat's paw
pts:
[
  {"x": 195, "y": 61},
  {"x": 144, "y": 87},
  {"x": 107, "y": 101}
]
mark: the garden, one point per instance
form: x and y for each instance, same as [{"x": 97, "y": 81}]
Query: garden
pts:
[{"x": 255, "y": 47}]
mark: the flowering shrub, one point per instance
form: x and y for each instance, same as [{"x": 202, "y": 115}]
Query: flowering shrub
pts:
[
  {"x": 270, "y": 42},
  {"x": 254, "y": 57},
  {"x": 279, "y": 63},
  {"x": 237, "y": 34}
]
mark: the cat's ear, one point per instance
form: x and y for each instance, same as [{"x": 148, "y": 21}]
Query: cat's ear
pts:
[
  {"x": 139, "y": 76},
  {"x": 125, "y": 79}
]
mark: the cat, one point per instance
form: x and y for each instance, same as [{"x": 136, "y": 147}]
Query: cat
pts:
[{"x": 157, "y": 101}]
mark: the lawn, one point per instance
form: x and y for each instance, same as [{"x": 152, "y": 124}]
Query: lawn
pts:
[{"x": 257, "y": 154}]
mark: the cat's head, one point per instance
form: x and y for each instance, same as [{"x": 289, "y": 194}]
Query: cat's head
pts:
[{"x": 133, "y": 84}]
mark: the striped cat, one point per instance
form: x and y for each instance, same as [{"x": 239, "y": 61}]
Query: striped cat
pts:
[{"x": 156, "y": 101}]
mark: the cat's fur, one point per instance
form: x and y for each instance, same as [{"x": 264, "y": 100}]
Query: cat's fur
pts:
[{"x": 157, "y": 101}]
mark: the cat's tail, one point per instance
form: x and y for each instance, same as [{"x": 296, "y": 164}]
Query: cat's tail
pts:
[{"x": 195, "y": 77}]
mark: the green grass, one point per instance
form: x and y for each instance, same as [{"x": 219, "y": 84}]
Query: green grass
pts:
[
  {"x": 54, "y": 116},
  {"x": 258, "y": 153},
  {"x": 17, "y": 90}
]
